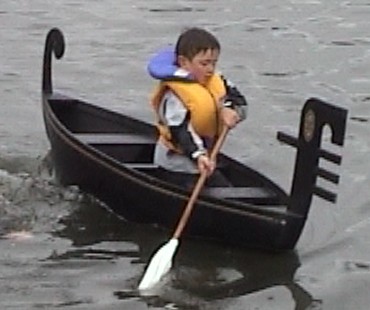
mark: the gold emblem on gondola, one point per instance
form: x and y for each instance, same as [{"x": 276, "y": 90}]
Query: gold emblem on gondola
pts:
[{"x": 309, "y": 125}]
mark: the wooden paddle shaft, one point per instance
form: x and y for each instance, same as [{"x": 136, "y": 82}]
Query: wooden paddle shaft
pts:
[{"x": 198, "y": 187}]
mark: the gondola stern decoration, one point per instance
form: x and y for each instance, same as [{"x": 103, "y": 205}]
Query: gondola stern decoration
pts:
[
  {"x": 316, "y": 114},
  {"x": 54, "y": 44}
]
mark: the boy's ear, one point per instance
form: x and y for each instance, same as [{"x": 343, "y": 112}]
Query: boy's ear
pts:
[{"x": 182, "y": 61}]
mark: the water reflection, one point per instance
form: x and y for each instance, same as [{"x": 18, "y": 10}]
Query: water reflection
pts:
[{"x": 206, "y": 272}]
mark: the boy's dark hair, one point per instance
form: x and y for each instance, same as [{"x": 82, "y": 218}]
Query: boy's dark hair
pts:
[{"x": 194, "y": 40}]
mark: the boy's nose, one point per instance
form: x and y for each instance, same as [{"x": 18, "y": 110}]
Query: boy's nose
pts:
[{"x": 210, "y": 69}]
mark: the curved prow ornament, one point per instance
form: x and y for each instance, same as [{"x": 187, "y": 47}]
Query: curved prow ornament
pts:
[
  {"x": 54, "y": 43},
  {"x": 316, "y": 114}
]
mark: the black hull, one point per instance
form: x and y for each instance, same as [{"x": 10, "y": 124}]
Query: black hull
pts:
[
  {"x": 265, "y": 217},
  {"x": 139, "y": 199}
]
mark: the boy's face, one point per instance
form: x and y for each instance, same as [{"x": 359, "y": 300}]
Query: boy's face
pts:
[{"x": 202, "y": 66}]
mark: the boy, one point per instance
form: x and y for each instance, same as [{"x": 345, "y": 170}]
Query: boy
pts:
[{"x": 192, "y": 103}]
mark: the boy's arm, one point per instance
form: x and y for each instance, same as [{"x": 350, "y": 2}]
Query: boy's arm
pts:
[
  {"x": 182, "y": 132},
  {"x": 234, "y": 99}
]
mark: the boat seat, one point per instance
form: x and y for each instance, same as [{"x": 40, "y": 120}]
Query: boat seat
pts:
[
  {"x": 142, "y": 166},
  {"x": 113, "y": 138},
  {"x": 252, "y": 194}
]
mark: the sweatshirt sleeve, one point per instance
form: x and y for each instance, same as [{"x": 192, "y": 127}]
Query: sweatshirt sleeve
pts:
[
  {"x": 234, "y": 99},
  {"x": 177, "y": 118}
]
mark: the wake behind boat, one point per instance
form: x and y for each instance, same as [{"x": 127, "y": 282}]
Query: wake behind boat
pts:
[{"x": 110, "y": 156}]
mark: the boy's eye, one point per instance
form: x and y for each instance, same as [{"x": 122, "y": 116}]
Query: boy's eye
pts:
[{"x": 206, "y": 63}]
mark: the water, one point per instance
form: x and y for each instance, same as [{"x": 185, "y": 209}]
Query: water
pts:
[{"x": 62, "y": 250}]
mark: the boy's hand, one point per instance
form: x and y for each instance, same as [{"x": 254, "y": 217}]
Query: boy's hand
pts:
[
  {"x": 230, "y": 117},
  {"x": 205, "y": 165}
]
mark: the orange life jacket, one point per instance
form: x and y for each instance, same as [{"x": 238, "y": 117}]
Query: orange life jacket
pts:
[{"x": 203, "y": 103}]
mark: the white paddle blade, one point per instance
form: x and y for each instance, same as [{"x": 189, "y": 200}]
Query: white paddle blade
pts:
[{"x": 159, "y": 265}]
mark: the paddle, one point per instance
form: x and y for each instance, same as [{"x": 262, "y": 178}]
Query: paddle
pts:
[{"x": 161, "y": 262}]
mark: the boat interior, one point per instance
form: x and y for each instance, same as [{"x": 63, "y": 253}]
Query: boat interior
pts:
[{"x": 131, "y": 142}]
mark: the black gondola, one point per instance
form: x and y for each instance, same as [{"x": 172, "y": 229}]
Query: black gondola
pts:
[{"x": 109, "y": 155}]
